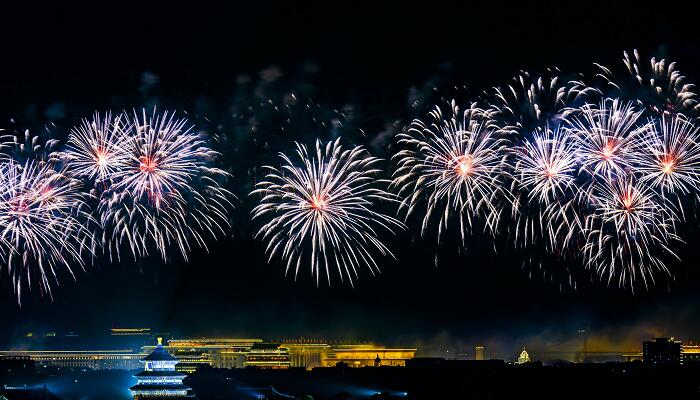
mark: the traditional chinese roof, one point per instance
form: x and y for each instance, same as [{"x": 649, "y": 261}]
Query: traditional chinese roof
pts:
[
  {"x": 160, "y": 354},
  {"x": 160, "y": 373},
  {"x": 154, "y": 387}
]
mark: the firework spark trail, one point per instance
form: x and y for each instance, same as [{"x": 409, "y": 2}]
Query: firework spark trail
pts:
[
  {"x": 26, "y": 146},
  {"x": 533, "y": 102},
  {"x": 455, "y": 165},
  {"x": 42, "y": 225},
  {"x": 166, "y": 192},
  {"x": 657, "y": 85},
  {"x": 322, "y": 211}
]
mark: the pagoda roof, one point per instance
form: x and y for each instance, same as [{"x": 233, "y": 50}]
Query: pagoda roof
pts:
[
  {"x": 160, "y": 373},
  {"x": 159, "y": 354},
  {"x": 178, "y": 386}
]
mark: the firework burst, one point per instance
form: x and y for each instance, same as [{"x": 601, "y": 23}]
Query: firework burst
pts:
[
  {"x": 323, "y": 211},
  {"x": 608, "y": 136},
  {"x": 670, "y": 160},
  {"x": 455, "y": 165},
  {"x": 546, "y": 164},
  {"x": 165, "y": 192},
  {"x": 42, "y": 225},
  {"x": 545, "y": 190},
  {"x": 625, "y": 234},
  {"x": 96, "y": 148}
]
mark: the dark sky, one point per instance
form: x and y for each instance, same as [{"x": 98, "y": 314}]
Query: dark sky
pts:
[{"x": 93, "y": 58}]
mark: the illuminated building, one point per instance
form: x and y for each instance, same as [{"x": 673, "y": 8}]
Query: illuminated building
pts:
[
  {"x": 307, "y": 355},
  {"x": 217, "y": 353},
  {"x": 690, "y": 354},
  {"x": 239, "y": 353},
  {"x": 130, "y": 331},
  {"x": 80, "y": 359},
  {"x": 365, "y": 355},
  {"x": 662, "y": 352},
  {"x": 159, "y": 380},
  {"x": 479, "y": 353},
  {"x": 231, "y": 359},
  {"x": 523, "y": 357},
  {"x": 268, "y": 356},
  {"x": 629, "y": 357}
]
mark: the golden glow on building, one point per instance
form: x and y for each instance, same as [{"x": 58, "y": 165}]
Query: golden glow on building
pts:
[
  {"x": 307, "y": 355},
  {"x": 690, "y": 353},
  {"x": 365, "y": 355},
  {"x": 217, "y": 353},
  {"x": 268, "y": 356},
  {"x": 241, "y": 353},
  {"x": 130, "y": 331},
  {"x": 223, "y": 342},
  {"x": 479, "y": 353}
]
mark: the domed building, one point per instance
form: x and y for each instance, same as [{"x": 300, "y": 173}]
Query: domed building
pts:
[
  {"x": 523, "y": 358},
  {"x": 159, "y": 380}
]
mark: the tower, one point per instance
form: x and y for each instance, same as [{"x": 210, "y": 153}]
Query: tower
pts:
[
  {"x": 159, "y": 380},
  {"x": 377, "y": 361},
  {"x": 479, "y": 353}
]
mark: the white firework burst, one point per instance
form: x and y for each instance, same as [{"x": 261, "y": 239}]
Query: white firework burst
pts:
[
  {"x": 454, "y": 165},
  {"x": 166, "y": 191},
  {"x": 96, "y": 147},
  {"x": 323, "y": 212},
  {"x": 670, "y": 157},
  {"x": 608, "y": 136},
  {"x": 42, "y": 225},
  {"x": 628, "y": 233},
  {"x": 546, "y": 164},
  {"x": 545, "y": 169}
]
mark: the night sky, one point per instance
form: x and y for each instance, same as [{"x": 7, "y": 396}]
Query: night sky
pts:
[{"x": 61, "y": 64}]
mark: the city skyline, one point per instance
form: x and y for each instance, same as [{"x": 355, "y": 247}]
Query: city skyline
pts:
[{"x": 584, "y": 345}]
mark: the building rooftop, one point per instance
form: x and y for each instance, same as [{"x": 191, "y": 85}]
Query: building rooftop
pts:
[
  {"x": 159, "y": 354},
  {"x": 160, "y": 373},
  {"x": 156, "y": 387}
]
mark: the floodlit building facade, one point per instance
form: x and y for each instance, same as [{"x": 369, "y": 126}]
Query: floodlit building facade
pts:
[
  {"x": 217, "y": 353},
  {"x": 268, "y": 356},
  {"x": 366, "y": 355},
  {"x": 241, "y": 353},
  {"x": 479, "y": 353},
  {"x": 81, "y": 359},
  {"x": 307, "y": 355}
]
